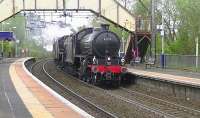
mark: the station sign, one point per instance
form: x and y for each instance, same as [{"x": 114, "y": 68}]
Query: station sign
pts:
[{"x": 7, "y": 36}]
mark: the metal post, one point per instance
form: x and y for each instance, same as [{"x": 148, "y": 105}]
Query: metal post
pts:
[
  {"x": 197, "y": 52},
  {"x": 163, "y": 45},
  {"x": 123, "y": 45},
  {"x": 24, "y": 7},
  {"x": 64, "y": 7},
  {"x": 100, "y": 7},
  {"x": 163, "y": 30},
  {"x": 125, "y": 3},
  {"x": 35, "y": 5},
  {"x": 15, "y": 48},
  {"x": 13, "y": 1},
  {"x": 162, "y": 34},
  {"x": 2, "y": 41},
  {"x": 2, "y": 48},
  {"x": 78, "y": 5},
  {"x": 56, "y": 5},
  {"x": 153, "y": 31},
  {"x": 2, "y": 26}
]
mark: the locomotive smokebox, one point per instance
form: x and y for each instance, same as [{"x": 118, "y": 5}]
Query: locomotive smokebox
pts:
[
  {"x": 100, "y": 43},
  {"x": 106, "y": 43}
]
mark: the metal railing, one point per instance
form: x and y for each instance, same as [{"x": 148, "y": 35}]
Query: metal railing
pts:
[{"x": 185, "y": 62}]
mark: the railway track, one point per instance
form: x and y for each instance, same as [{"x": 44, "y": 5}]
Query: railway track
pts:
[
  {"x": 49, "y": 80},
  {"x": 156, "y": 112},
  {"x": 170, "y": 108},
  {"x": 157, "y": 108}
]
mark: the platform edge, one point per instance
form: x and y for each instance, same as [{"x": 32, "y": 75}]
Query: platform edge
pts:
[{"x": 59, "y": 97}]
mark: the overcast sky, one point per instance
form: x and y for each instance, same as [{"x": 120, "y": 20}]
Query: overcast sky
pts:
[{"x": 54, "y": 30}]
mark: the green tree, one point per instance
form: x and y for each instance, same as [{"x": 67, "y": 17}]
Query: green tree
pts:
[
  {"x": 189, "y": 16},
  {"x": 142, "y": 8},
  {"x": 17, "y": 25}
]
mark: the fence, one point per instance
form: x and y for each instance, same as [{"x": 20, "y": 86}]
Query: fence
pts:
[{"x": 185, "y": 62}]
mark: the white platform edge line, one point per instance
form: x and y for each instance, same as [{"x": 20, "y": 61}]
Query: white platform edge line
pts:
[{"x": 51, "y": 91}]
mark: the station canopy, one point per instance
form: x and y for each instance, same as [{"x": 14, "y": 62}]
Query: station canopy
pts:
[{"x": 7, "y": 36}]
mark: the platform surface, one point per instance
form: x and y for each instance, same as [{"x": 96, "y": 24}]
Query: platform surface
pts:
[
  {"x": 21, "y": 96},
  {"x": 170, "y": 75},
  {"x": 11, "y": 105}
]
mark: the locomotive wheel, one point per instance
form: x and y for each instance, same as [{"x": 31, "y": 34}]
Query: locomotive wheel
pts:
[
  {"x": 95, "y": 79},
  {"x": 80, "y": 76},
  {"x": 117, "y": 83},
  {"x": 85, "y": 78},
  {"x": 88, "y": 78}
]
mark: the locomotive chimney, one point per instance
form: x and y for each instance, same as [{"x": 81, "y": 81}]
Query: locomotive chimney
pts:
[{"x": 105, "y": 26}]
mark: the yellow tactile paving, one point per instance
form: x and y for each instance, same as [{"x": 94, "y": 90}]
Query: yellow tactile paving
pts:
[
  {"x": 36, "y": 98},
  {"x": 168, "y": 77},
  {"x": 36, "y": 109}
]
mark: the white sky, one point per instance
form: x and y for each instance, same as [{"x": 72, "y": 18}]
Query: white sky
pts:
[{"x": 53, "y": 30}]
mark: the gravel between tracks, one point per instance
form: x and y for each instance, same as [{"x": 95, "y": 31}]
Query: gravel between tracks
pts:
[
  {"x": 164, "y": 96},
  {"x": 165, "y": 106}
]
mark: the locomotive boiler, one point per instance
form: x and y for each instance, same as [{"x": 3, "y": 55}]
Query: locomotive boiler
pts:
[
  {"x": 100, "y": 42},
  {"x": 92, "y": 54}
]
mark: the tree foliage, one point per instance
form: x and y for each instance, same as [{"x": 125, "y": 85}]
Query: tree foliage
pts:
[
  {"x": 181, "y": 23},
  {"x": 142, "y": 8},
  {"x": 17, "y": 25},
  {"x": 189, "y": 16}
]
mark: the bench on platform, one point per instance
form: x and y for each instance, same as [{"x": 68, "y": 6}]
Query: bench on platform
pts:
[{"x": 150, "y": 62}]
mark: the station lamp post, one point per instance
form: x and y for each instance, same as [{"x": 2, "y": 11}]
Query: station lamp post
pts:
[
  {"x": 197, "y": 52},
  {"x": 163, "y": 41}
]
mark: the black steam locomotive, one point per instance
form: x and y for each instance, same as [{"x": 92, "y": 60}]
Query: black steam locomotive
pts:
[{"x": 91, "y": 54}]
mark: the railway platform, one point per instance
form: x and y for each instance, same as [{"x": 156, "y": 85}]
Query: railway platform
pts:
[
  {"x": 11, "y": 104},
  {"x": 22, "y": 96},
  {"x": 168, "y": 75},
  {"x": 177, "y": 83}
]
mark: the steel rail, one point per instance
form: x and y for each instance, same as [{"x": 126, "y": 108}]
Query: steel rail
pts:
[
  {"x": 181, "y": 107},
  {"x": 106, "y": 113},
  {"x": 145, "y": 107},
  {"x": 138, "y": 104},
  {"x": 108, "y": 92}
]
